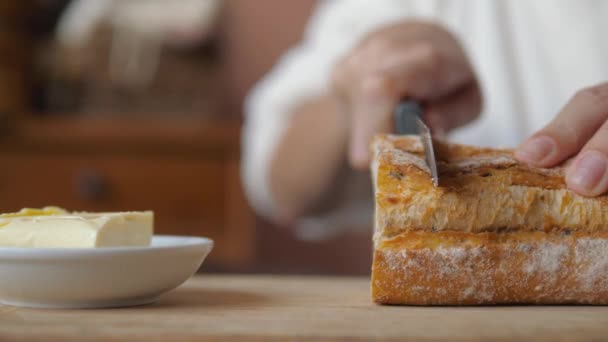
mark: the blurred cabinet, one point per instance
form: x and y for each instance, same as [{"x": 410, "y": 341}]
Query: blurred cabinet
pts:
[
  {"x": 73, "y": 138},
  {"x": 15, "y": 49},
  {"x": 172, "y": 147},
  {"x": 185, "y": 170}
]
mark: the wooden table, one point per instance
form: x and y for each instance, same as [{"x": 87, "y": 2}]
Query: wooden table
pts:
[{"x": 267, "y": 308}]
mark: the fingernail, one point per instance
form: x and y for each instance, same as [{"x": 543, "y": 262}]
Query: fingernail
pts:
[
  {"x": 535, "y": 150},
  {"x": 588, "y": 171}
]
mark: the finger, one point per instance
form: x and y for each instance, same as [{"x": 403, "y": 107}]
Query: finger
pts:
[
  {"x": 373, "y": 92},
  {"x": 569, "y": 131},
  {"x": 360, "y": 63},
  {"x": 373, "y": 98},
  {"x": 425, "y": 71},
  {"x": 342, "y": 77},
  {"x": 455, "y": 110},
  {"x": 369, "y": 99},
  {"x": 588, "y": 175},
  {"x": 371, "y": 113}
]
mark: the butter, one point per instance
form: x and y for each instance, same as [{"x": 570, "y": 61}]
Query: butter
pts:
[{"x": 56, "y": 227}]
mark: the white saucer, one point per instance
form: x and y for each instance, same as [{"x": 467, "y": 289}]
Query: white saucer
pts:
[{"x": 98, "y": 277}]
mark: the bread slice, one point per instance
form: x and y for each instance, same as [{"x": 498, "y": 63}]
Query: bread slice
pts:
[{"x": 493, "y": 232}]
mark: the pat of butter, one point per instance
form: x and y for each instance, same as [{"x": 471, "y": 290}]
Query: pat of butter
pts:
[{"x": 55, "y": 227}]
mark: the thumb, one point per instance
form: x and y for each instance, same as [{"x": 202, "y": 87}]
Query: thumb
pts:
[{"x": 371, "y": 113}]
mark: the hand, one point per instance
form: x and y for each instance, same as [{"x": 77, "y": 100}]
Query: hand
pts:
[
  {"x": 579, "y": 130},
  {"x": 410, "y": 59}
]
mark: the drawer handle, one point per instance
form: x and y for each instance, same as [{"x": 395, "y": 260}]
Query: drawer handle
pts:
[{"x": 91, "y": 185}]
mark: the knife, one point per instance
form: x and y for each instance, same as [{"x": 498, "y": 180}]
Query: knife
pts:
[{"x": 408, "y": 120}]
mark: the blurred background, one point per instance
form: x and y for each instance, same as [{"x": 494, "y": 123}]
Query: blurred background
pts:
[{"x": 112, "y": 105}]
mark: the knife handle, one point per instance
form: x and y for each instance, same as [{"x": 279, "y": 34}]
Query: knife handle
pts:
[{"x": 406, "y": 115}]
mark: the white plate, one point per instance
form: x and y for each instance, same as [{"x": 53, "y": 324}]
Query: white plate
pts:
[{"x": 98, "y": 277}]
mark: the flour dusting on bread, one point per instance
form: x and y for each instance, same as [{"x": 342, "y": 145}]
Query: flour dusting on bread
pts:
[{"x": 494, "y": 231}]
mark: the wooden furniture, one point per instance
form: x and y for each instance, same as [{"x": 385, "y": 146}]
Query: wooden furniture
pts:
[
  {"x": 15, "y": 49},
  {"x": 241, "y": 308},
  {"x": 172, "y": 148},
  {"x": 123, "y": 152},
  {"x": 186, "y": 170}
]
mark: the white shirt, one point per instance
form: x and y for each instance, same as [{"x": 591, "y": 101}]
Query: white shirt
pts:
[{"x": 530, "y": 57}]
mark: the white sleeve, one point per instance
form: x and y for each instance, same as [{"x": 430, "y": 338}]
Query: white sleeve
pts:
[{"x": 303, "y": 73}]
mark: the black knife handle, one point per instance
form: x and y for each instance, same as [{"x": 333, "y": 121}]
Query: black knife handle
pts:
[{"x": 405, "y": 117}]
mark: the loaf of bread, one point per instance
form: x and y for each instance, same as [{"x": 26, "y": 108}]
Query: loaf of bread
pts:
[{"x": 494, "y": 231}]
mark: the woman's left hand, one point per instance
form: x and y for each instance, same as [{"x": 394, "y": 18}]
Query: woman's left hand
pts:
[{"x": 580, "y": 130}]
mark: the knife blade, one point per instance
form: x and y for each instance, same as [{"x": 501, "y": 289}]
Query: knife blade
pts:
[{"x": 408, "y": 120}]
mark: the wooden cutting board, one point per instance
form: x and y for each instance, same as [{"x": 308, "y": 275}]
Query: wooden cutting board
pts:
[{"x": 267, "y": 308}]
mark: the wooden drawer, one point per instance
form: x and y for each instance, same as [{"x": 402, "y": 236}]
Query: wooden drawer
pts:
[{"x": 189, "y": 196}]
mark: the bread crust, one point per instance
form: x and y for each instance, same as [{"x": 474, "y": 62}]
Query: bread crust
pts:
[
  {"x": 480, "y": 190},
  {"x": 459, "y": 268},
  {"x": 494, "y": 232}
]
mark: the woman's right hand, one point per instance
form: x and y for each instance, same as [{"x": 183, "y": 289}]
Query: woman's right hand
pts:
[{"x": 418, "y": 60}]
